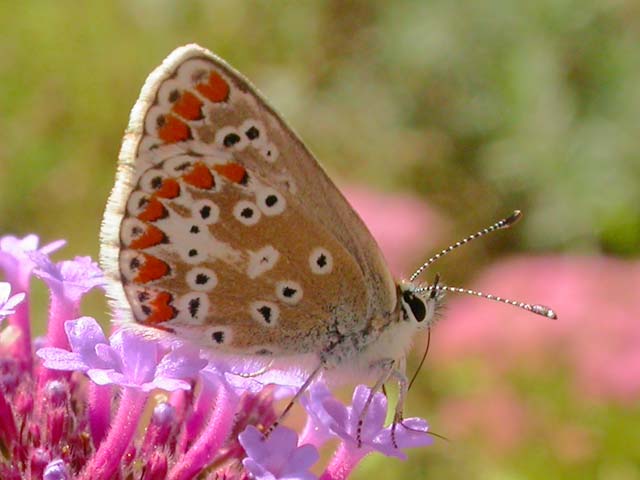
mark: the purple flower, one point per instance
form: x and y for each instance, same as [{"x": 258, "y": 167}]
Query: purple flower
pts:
[
  {"x": 316, "y": 430},
  {"x": 343, "y": 422},
  {"x": 220, "y": 401},
  {"x": 129, "y": 359},
  {"x": 17, "y": 266},
  {"x": 84, "y": 336},
  {"x": 56, "y": 470},
  {"x": 139, "y": 362},
  {"x": 59, "y": 426},
  {"x": 278, "y": 456},
  {"x": 68, "y": 281},
  {"x": 251, "y": 375},
  {"x": 328, "y": 415},
  {"x": 70, "y": 278},
  {"x": 9, "y": 302},
  {"x": 14, "y": 256}
]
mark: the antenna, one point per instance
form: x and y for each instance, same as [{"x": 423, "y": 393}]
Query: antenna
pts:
[
  {"x": 504, "y": 223},
  {"x": 536, "y": 308}
]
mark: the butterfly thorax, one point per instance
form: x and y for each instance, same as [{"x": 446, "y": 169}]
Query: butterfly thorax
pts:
[{"x": 387, "y": 336}]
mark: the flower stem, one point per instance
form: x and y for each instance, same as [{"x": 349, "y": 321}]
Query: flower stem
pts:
[
  {"x": 60, "y": 310},
  {"x": 211, "y": 439},
  {"x": 20, "y": 319},
  {"x": 106, "y": 460},
  {"x": 8, "y": 431},
  {"x": 343, "y": 462},
  {"x": 193, "y": 424},
  {"x": 99, "y": 411}
]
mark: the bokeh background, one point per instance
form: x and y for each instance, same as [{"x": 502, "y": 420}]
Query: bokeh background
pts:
[{"x": 437, "y": 118}]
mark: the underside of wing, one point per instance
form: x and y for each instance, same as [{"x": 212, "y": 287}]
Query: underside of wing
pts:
[{"x": 222, "y": 227}]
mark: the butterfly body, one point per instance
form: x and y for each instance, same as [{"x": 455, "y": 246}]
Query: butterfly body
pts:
[{"x": 223, "y": 229}]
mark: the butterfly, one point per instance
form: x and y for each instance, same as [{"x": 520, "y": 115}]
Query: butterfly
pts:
[{"x": 223, "y": 229}]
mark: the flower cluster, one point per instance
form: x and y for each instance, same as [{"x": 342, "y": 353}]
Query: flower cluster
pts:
[{"x": 136, "y": 406}]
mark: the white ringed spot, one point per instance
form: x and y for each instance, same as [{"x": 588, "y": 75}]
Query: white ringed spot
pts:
[
  {"x": 168, "y": 90},
  {"x": 231, "y": 138},
  {"x": 321, "y": 261},
  {"x": 289, "y": 292},
  {"x": 201, "y": 279},
  {"x": 261, "y": 261},
  {"x": 270, "y": 152},
  {"x": 206, "y": 211},
  {"x": 254, "y": 131},
  {"x": 136, "y": 203},
  {"x": 193, "y": 308},
  {"x": 132, "y": 229},
  {"x": 130, "y": 262},
  {"x": 155, "y": 118},
  {"x": 177, "y": 166},
  {"x": 246, "y": 212},
  {"x": 193, "y": 254},
  {"x": 265, "y": 313},
  {"x": 221, "y": 335},
  {"x": 270, "y": 201},
  {"x": 265, "y": 351},
  {"x": 137, "y": 297},
  {"x": 152, "y": 180},
  {"x": 193, "y": 71},
  {"x": 149, "y": 143}
]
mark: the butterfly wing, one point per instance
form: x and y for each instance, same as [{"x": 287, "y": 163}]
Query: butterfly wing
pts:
[{"x": 223, "y": 228}]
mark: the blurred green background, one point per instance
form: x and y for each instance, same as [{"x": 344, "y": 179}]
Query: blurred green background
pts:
[{"x": 477, "y": 107}]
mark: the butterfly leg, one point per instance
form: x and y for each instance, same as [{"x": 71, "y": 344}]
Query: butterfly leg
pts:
[
  {"x": 303, "y": 388},
  {"x": 386, "y": 366},
  {"x": 403, "y": 388}
]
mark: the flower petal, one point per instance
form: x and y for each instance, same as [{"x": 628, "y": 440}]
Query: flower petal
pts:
[
  {"x": 139, "y": 355},
  {"x": 183, "y": 362},
  {"x": 301, "y": 459},
  {"x": 60, "y": 359},
  {"x": 106, "y": 377}
]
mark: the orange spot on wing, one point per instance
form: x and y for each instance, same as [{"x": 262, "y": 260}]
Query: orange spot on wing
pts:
[
  {"x": 161, "y": 309},
  {"x": 154, "y": 210},
  {"x": 200, "y": 177},
  {"x": 233, "y": 172},
  {"x": 188, "y": 106},
  {"x": 173, "y": 130},
  {"x": 170, "y": 188},
  {"x": 151, "y": 237},
  {"x": 216, "y": 89},
  {"x": 152, "y": 269}
]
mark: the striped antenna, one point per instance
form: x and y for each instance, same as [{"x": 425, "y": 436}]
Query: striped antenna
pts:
[
  {"x": 537, "y": 309},
  {"x": 504, "y": 223}
]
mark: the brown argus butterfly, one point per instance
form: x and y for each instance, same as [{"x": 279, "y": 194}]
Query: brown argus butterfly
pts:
[{"x": 223, "y": 229}]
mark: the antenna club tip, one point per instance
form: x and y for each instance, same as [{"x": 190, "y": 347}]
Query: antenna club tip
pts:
[
  {"x": 544, "y": 311},
  {"x": 513, "y": 218}
]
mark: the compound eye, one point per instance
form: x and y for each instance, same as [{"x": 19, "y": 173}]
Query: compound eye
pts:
[{"x": 416, "y": 305}]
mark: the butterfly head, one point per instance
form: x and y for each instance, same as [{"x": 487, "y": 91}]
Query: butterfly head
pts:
[{"x": 418, "y": 306}]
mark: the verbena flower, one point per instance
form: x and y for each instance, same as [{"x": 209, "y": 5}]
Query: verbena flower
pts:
[
  {"x": 329, "y": 417},
  {"x": 278, "y": 457},
  {"x": 76, "y": 410},
  {"x": 8, "y": 302},
  {"x": 17, "y": 267}
]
